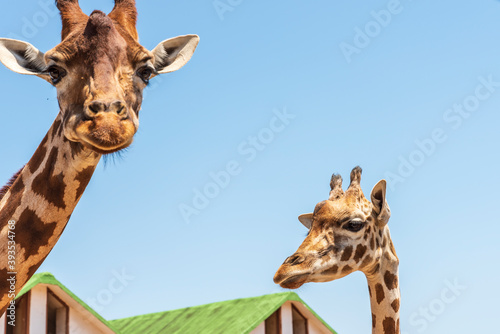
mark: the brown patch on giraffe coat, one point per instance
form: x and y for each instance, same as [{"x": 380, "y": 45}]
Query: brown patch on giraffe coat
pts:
[
  {"x": 391, "y": 280},
  {"x": 366, "y": 261},
  {"x": 389, "y": 326},
  {"x": 83, "y": 178},
  {"x": 346, "y": 269},
  {"x": 32, "y": 270},
  {"x": 379, "y": 292},
  {"x": 392, "y": 249},
  {"x": 14, "y": 202},
  {"x": 332, "y": 271},
  {"x": 57, "y": 128},
  {"x": 374, "y": 320},
  {"x": 372, "y": 242},
  {"x": 395, "y": 305},
  {"x": 32, "y": 233},
  {"x": 11, "y": 185},
  {"x": 4, "y": 284},
  {"x": 346, "y": 254},
  {"x": 37, "y": 158},
  {"x": 397, "y": 326},
  {"x": 51, "y": 187},
  {"x": 360, "y": 252}
]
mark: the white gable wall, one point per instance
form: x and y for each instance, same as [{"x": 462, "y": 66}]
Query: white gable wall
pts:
[
  {"x": 261, "y": 329},
  {"x": 78, "y": 324},
  {"x": 80, "y": 320}
]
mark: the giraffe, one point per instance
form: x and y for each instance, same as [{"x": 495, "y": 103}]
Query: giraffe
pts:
[
  {"x": 347, "y": 233},
  {"x": 99, "y": 70}
]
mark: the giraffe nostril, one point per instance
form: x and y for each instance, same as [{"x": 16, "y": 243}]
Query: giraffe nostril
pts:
[
  {"x": 294, "y": 259},
  {"x": 118, "y": 107},
  {"x": 96, "y": 107}
]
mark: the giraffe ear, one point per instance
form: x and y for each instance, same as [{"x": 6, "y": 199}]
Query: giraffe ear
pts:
[
  {"x": 172, "y": 54},
  {"x": 22, "y": 57},
  {"x": 306, "y": 220},
  {"x": 380, "y": 206}
]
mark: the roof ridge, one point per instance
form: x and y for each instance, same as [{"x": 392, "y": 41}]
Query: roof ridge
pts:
[{"x": 207, "y": 304}]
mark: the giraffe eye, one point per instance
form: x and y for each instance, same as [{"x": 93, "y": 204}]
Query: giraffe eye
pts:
[
  {"x": 354, "y": 225},
  {"x": 56, "y": 74},
  {"x": 145, "y": 73}
]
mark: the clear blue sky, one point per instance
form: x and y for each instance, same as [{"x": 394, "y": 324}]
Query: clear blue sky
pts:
[{"x": 392, "y": 109}]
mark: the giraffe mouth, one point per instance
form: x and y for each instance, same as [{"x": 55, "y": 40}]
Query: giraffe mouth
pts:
[
  {"x": 105, "y": 135},
  {"x": 292, "y": 282}
]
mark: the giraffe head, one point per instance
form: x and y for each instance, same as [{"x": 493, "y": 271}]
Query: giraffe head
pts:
[
  {"x": 99, "y": 70},
  {"x": 346, "y": 233}
]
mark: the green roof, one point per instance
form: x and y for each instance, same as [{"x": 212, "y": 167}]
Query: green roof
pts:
[
  {"x": 48, "y": 278},
  {"x": 232, "y": 317}
]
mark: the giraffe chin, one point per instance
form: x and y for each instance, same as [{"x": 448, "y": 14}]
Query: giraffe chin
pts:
[
  {"x": 106, "y": 150},
  {"x": 294, "y": 282}
]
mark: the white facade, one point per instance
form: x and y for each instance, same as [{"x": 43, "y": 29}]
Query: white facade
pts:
[{"x": 70, "y": 318}]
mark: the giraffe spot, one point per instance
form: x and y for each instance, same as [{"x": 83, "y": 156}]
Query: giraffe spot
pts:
[
  {"x": 391, "y": 280},
  {"x": 365, "y": 237},
  {"x": 379, "y": 292},
  {"x": 8, "y": 211},
  {"x": 4, "y": 284},
  {"x": 13, "y": 185},
  {"x": 32, "y": 233},
  {"x": 366, "y": 261},
  {"x": 50, "y": 186},
  {"x": 37, "y": 158},
  {"x": 332, "y": 271},
  {"x": 32, "y": 270},
  {"x": 346, "y": 254},
  {"x": 346, "y": 269},
  {"x": 360, "y": 251},
  {"x": 378, "y": 243},
  {"x": 372, "y": 242},
  {"x": 380, "y": 233},
  {"x": 374, "y": 320},
  {"x": 393, "y": 250},
  {"x": 83, "y": 178},
  {"x": 389, "y": 326},
  {"x": 56, "y": 128},
  {"x": 395, "y": 305}
]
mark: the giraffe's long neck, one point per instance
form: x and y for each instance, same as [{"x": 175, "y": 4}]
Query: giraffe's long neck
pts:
[
  {"x": 383, "y": 285},
  {"x": 38, "y": 205}
]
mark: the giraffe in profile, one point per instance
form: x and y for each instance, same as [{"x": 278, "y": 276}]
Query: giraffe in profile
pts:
[
  {"x": 348, "y": 233},
  {"x": 100, "y": 71}
]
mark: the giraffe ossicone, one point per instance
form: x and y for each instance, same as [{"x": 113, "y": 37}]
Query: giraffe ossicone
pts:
[
  {"x": 348, "y": 233},
  {"x": 100, "y": 71}
]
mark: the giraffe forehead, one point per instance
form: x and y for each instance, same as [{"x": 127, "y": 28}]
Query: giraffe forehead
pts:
[
  {"x": 340, "y": 210},
  {"x": 101, "y": 40}
]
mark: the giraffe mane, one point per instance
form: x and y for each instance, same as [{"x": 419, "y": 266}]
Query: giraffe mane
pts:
[{"x": 9, "y": 184}]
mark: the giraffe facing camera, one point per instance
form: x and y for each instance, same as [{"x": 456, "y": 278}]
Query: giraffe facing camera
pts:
[{"x": 100, "y": 71}]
